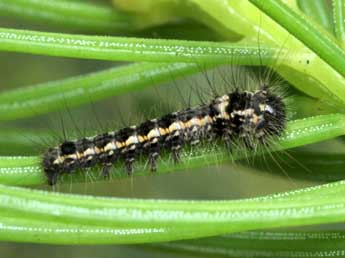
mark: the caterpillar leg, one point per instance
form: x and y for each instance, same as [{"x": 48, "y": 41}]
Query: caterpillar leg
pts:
[
  {"x": 52, "y": 179},
  {"x": 153, "y": 161},
  {"x": 106, "y": 170},
  {"x": 176, "y": 154},
  {"x": 129, "y": 165}
]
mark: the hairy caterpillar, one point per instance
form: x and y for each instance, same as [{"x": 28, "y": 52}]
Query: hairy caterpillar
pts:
[{"x": 249, "y": 116}]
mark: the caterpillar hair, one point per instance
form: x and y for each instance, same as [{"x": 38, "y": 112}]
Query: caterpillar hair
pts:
[{"x": 247, "y": 115}]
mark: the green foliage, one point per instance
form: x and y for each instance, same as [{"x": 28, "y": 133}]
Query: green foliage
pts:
[{"x": 310, "y": 59}]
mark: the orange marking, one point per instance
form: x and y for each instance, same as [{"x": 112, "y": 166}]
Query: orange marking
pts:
[
  {"x": 79, "y": 155},
  {"x": 119, "y": 144},
  {"x": 142, "y": 138},
  {"x": 153, "y": 133},
  {"x": 132, "y": 140},
  {"x": 98, "y": 150},
  {"x": 163, "y": 131}
]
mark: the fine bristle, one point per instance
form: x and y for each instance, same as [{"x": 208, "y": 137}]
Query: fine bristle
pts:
[{"x": 245, "y": 116}]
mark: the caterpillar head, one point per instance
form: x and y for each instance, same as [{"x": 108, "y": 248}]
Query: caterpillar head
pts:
[
  {"x": 252, "y": 115},
  {"x": 57, "y": 159}
]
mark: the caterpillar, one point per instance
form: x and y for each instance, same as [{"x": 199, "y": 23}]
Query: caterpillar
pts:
[{"x": 250, "y": 117}]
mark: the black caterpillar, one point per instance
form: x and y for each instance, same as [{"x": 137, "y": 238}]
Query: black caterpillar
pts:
[{"x": 239, "y": 115}]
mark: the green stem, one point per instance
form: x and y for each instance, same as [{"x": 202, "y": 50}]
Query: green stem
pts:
[
  {"x": 51, "y": 96},
  {"x": 72, "y": 219},
  {"x": 130, "y": 49},
  {"x": 324, "y": 83},
  {"x": 68, "y": 14},
  {"x": 279, "y": 244},
  {"x": 318, "y": 10},
  {"x": 302, "y": 29},
  {"x": 245, "y": 19},
  {"x": 339, "y": 20}
]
